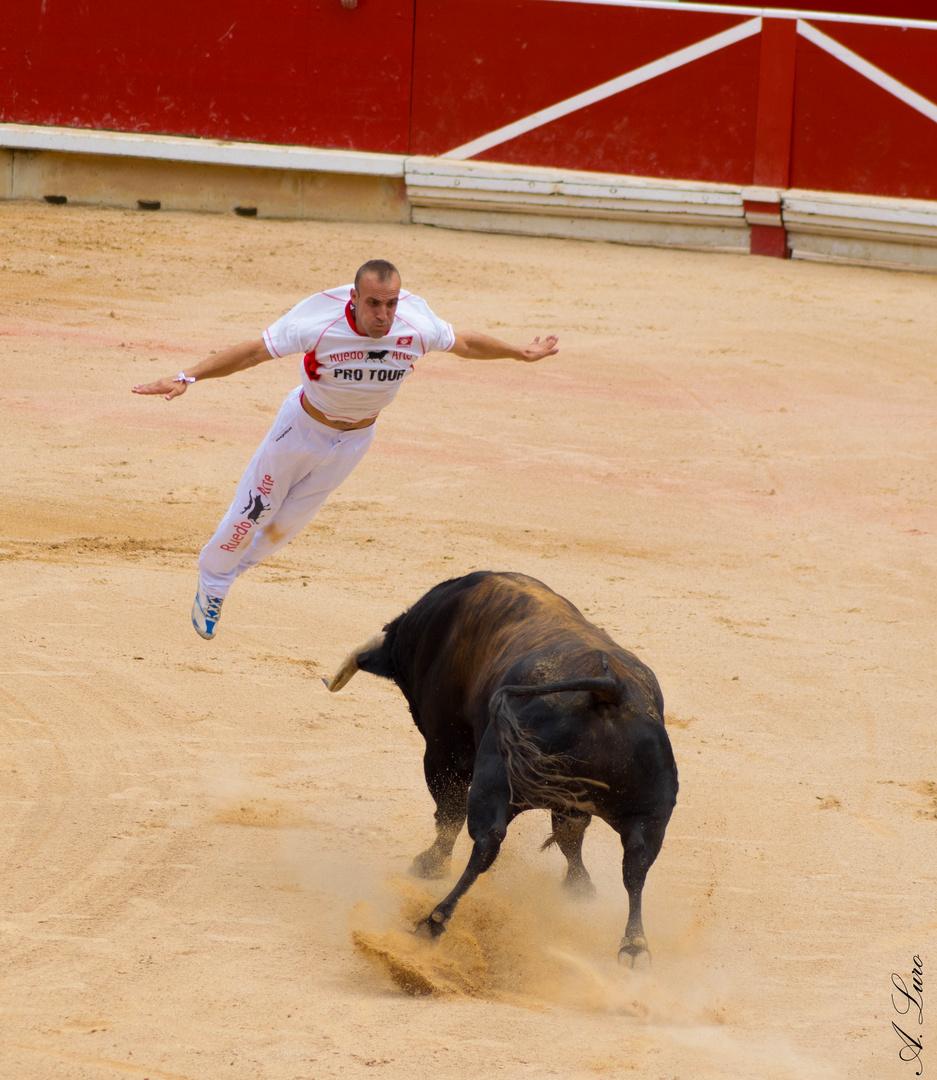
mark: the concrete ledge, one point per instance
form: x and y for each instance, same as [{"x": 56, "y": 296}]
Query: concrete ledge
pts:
[
  {"x": 102, "y": 180},
  {"x": 829, "y": 226},
  {"x": 114, "y": 168},
  {"x": 6, "y": 175},
  {"x": 830, "y": 213},
  {"x": 638, "y": 210},
  {"x": 884, "y": 254},
  {"x": 593, "y": 206},
  {"x": 442, "y": 174},
  {"x": 198, "y": 151},
  {"x": 585, "y": 227}
]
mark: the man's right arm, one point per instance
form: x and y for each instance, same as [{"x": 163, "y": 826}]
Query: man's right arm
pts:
[{"x": 238, "y": 358}]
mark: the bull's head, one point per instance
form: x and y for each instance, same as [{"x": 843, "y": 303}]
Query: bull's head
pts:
[{"x": 355, "y": 659}]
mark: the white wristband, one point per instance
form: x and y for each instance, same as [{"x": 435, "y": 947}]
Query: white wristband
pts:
[{"x": 182, "y": 377}]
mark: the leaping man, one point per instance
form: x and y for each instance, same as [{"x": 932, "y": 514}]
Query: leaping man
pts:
[{"x": 358, "y": 343}]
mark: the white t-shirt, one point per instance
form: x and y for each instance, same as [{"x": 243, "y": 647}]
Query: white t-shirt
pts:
[{"x": 347, "y": 375}]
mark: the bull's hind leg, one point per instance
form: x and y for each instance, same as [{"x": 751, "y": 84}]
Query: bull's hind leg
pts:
[
  {"x": 641, "y": 838},
  {"x": 489, "y": 811},
  {"x": 448, "y": 776},
  {"x": 569, "y": 827}
]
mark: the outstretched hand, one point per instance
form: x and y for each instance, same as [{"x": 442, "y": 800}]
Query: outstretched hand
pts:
[
  {"x": 168, "y": 386},
  {"x": 238, "y": 358},
  {"x": 538, "y": 349}
]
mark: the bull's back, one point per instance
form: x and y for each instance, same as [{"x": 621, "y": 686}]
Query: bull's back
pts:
[{"x": 468, "y": 636}]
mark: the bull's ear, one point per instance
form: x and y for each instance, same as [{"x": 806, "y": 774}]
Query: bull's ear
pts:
[{"x": 377, "y": 662}]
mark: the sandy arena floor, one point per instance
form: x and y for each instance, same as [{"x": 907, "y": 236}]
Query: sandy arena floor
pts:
[{"x": 730, "y": 466}]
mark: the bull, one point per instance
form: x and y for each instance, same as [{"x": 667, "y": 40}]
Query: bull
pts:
[{"x": 525, "y": 704}]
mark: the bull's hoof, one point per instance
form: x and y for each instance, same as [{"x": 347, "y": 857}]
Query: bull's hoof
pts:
[
  {"x": 634, "y": 948},
  {"x": 580, "y": 888},
  {"x": 431, "y": 927},
  {"x": 428, "y": 865}
]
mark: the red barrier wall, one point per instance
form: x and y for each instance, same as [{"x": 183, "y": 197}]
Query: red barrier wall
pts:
[
  {"x": 278, "y": 71},
  {"x": 429, "y": 76},
  {"x": 514, "y": 59},
  {"x": 854, "y": 136}
]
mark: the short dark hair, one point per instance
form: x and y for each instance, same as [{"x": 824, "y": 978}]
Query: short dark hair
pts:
[{"x": 380, "y": 268}]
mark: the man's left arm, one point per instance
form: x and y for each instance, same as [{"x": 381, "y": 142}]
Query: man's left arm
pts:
[{"x": 471, "y": 345}]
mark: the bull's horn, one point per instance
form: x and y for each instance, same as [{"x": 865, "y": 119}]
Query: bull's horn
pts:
[{"x": 349, "y": 665}]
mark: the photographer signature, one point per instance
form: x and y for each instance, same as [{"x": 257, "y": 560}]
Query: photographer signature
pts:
[{"x": 910, "y": 1003}]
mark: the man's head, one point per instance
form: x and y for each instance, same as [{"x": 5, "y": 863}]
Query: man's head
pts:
[{"x": 374, "y": 297}]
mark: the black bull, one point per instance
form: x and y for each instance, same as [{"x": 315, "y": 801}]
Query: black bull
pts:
[{"x": 523, "y": 704}]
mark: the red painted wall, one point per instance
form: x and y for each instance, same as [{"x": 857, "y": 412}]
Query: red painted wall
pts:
[
  {"x": 851, "y": 135},
  {"x": 513, "y": 59},
  {"x": 426, "y": 76},
  {"x": 279, "y": 71}
]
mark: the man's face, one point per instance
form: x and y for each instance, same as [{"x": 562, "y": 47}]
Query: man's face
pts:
[{"x": 375, "y": 305}]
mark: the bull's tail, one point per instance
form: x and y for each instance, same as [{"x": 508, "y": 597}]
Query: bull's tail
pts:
[{"x": 537, "y": 778}]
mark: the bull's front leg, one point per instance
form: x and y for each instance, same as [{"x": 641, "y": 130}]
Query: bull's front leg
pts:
[
  {"x": 489, "y": 811},
  {"x": 448, "y": 776},
  {"x": 450, "y": 817}
]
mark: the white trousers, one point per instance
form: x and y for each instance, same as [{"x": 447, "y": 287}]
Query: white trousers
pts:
[{"x": 298, "y": 464}]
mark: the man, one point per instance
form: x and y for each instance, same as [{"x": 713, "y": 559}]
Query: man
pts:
[{"x": 358, "y": 343}]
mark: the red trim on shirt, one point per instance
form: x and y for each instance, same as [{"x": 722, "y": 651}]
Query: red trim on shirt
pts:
[
  {"x": 270, "y": 348},
  {"x": 351, "y": 319},
  {"x": 311, "y": 366}
]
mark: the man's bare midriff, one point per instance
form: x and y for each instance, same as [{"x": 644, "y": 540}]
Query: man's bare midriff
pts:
[{"x": 339, "y": 425}]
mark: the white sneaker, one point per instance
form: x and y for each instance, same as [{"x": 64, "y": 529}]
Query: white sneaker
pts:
[{"x": 206, "y": 611}]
